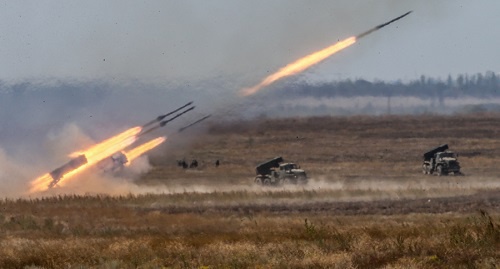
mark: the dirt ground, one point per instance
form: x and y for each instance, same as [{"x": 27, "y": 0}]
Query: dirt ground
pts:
[{"x": 366, "y": 164}]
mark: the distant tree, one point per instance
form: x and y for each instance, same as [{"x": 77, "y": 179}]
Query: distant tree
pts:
[
  {"x": 487, "y": 84},
  {"x": 491, "y": 79},
  {"x": 479, "y": 81},
  {"x": 461, "y": 81},
  {"x": 422, "y": 80},
  {"x": 449, "y": 82}
]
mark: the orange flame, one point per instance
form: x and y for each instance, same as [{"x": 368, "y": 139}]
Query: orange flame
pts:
[
  {"x": 97, "y": 157},
  {"x": 301, "y": 64},
  {"x": 93, "y": 155},
  {"x": 139, "y": 150},
  {"x": 41, "y": 183},
  {"x": 106, "y": 143}
]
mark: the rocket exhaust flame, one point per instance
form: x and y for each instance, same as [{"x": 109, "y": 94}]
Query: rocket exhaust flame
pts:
[
  {"x": 312, "y": 59},
  {"x": 301, "y": 64},
  {"x": 92, "y": 156},
  {"x": 82, "y": 160},
  {"x": 139, "y": 150},
  {"x": 97, "y": 158},
  {"x": 110, "y": 141}
]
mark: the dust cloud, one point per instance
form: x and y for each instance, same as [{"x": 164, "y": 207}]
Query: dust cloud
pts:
[
  {"x": 321, "y": 189},
  {"x": 17, "y": 174},
  {"x": 10, "y": 174}
]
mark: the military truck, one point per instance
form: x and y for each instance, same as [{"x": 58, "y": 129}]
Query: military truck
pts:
[
  {"x": 276, "y": 171},
  {"x": 441, "y": 161}
]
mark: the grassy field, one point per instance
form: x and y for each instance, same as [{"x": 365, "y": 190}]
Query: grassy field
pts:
[
  {"x": 367, "y": 205},
  {"x": 136, "y": 231}
]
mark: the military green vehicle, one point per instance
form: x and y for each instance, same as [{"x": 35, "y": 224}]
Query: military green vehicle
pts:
[
  {"x": 441, "y": 161},
  {"x": 276, "y": 172}
]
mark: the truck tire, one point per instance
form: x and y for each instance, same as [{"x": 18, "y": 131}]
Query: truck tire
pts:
[
  {"x": 439, "y": 170},
  {"x": 424, "y": 169},
  {"x": 266, "y": 181}
]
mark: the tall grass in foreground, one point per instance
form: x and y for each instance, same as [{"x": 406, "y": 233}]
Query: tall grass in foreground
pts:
[{"x": 128, "y": 238}]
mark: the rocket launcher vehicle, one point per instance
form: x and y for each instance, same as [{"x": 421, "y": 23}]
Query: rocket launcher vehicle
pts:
[
  {"x": 106, "y": 149},
  {"x": 119, "y": 160}
]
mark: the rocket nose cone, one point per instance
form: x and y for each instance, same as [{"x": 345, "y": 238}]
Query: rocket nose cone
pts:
[{"x": 407, "y": 13}]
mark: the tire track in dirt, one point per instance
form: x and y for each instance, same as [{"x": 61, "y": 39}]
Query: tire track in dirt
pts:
[{"x": 484, "y": 200}]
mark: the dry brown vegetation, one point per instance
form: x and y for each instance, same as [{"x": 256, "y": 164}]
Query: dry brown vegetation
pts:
[{"x": 367, "y": 205}]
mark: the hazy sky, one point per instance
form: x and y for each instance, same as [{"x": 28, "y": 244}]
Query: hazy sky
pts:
[{"x": 244, "y": 40}]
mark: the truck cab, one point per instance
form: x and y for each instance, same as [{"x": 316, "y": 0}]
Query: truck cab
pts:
[{"x": 292, "y": 173}]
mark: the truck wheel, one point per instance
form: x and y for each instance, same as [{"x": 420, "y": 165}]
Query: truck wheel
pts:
[
  {"x": 266, "y": 181},
  {"x": 258, "y": 180},
  {"x": 424, "y": 169},
  {"x": 439, "y": 170}
]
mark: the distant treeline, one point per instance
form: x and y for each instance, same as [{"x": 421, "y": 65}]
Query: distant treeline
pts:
[{"x": 479, "y": 85}]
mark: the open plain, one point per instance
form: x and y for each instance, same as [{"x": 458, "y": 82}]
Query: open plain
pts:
[{"x": 367, "y": 203}]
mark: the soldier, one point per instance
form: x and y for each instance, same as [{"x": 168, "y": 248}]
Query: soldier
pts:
[
  {"x": 194, "y": 164},
  {"x": 182, "y": 163}
]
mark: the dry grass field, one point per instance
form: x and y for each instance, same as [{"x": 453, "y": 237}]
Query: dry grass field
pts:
[{"x": 367, "y": 204}]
